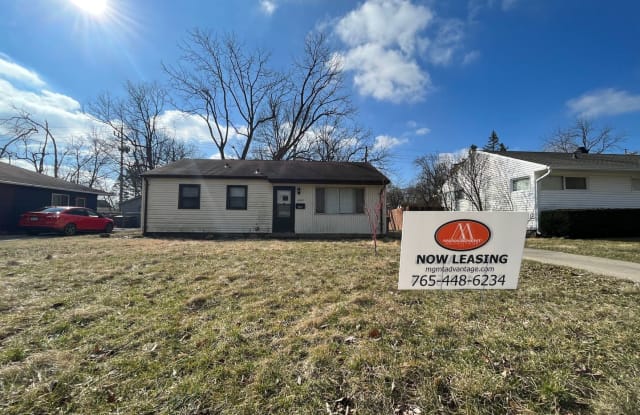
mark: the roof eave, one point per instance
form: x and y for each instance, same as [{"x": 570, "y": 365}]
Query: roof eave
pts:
[{"x": 91, "y": 191}]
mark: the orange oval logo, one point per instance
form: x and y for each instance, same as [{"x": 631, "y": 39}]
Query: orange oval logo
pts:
[{"x": 462, "y": 235}]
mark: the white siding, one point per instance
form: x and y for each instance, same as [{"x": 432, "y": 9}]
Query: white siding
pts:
[
  {"x": 163, "y": 214},
  {"x": 604, "y": 191},
  {"x": 310, "y": 222},
  {"x": 213, "y": 216},
  {"x": 498, "y": 195}
]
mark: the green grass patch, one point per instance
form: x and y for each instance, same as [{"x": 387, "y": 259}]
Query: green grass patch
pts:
[
  {"x": 137, "y": 325},
  {"x": 624, "y": 249}
]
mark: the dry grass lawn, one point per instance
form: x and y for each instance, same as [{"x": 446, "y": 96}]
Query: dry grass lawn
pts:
[
  {"x": 138, "y": 326},
  {"x": 627, "y": 249}
]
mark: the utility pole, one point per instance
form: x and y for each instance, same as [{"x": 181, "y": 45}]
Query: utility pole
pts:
[{"x": 120, "y": 134}]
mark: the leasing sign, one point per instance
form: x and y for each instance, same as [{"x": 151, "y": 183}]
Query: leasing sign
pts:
[{"x": 461, "y": 250}]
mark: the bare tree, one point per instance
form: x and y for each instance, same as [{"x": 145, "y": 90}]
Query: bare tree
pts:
[
  {"x": 226, "y": 86},
  {"x": 584, "y": 134},
  {"x": 312, "y": 96},
  {"x": 430, "y": 188},
  {"x": 134, "y": 121},
  {"x": 90, "y": 161},
  {"x": 472, "y": 179},
  {"x": 29, "y": 140}
]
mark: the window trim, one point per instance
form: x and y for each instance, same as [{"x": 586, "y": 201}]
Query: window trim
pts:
[
  {"x": 321, "y": 210},
  {"x": 246, "y": 196},
  {"x": 518, "y": 179},
  {"x": 84, "y": 202},
  {"x": 181, "y": 198},
  {"x": 53, "y": 195}
]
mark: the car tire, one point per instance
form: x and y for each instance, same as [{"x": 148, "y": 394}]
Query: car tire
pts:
[
  {"x": 69, "y": 229},
  {"x": 33, "y": 232},
  {"x": 108, "y": 228}
]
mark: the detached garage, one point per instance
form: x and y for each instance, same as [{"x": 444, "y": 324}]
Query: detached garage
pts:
[
  {"x": 262, "y": 197},
  {"x": 22, "y": 190}
]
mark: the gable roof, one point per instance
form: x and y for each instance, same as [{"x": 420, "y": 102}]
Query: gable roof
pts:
[
  {"x": 276, "y": 171},
  {"x": 578, "y": 161},
  {"x": 22, "y": 177}
]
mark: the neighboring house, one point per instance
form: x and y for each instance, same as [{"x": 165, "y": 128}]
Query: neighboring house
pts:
[
  {"x": 262, "y": 197},
  {"x": 130, "y": 211},
  {"x": 105, "y": 208},
  {"x": 22, "y": 190},
  {"x": 539, "y": 181}
]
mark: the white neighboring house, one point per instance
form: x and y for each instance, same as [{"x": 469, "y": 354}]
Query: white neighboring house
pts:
[
  {"x": 262, "y": 197},
  {"x": 539, "y": 181}
]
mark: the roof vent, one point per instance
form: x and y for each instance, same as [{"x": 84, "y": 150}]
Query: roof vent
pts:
[
  {"x": 257, "y": 171},
  {"x": 226, "y": 165}
]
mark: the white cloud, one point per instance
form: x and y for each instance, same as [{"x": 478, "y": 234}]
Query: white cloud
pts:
[
  {"x": 386, "y": 74},
  {"x": 390, "y": 23},
  {"x": 13, "y": 71},
  {"x": 62, "y": 112},
  {"x": 384, "y": 39},
  {"x": 508, "y": 4},
  {"x": 447, "y": 41},
  {"x": 423, "y": 131},
  {"x": 184, "y": 126},
  {"x": 268, "y": 7},
  {"x": 607, "y": 101},
  {"x": 471, "y": 57},
  {"x": 389, "y": 41},
  {"x": 386, "y": 142}
]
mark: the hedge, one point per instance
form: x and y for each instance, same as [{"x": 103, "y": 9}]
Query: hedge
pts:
[{"x": 590, "y": 223}]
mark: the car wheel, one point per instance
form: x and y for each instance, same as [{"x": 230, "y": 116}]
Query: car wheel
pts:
[
  {"x": 108, "y": 228},
  {"x": 69, "y": 229},
  {"x": 33, "y": 232}
]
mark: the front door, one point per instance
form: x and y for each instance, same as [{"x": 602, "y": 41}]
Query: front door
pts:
[{"x": 284, "y": 209}]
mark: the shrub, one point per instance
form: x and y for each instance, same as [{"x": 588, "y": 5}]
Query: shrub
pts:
[{"x": 590, "y": 223}]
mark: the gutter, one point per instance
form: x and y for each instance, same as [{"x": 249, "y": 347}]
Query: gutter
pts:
[{"x": 538, "y": 197}]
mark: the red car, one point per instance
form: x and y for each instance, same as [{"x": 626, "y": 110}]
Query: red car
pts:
[{"x": 65, "y": 219}]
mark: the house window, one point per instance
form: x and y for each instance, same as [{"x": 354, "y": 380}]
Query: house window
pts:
[
  {"x": 635, "y": 185},
  {"x": 81, "y": 201},
  {"x": 189, "y": 196},
  {"x": 58, "y": 199},
  {"x": 237, "y": 197},
  {"x": 520, "y": 184},
  {"x": 339, "y": 200},
  {"x": 551, "y": 183},
  {"x": 573, "y": 183}
]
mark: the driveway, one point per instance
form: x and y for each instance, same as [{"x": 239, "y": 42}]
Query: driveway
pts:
[{"x": 603, "y": 266}]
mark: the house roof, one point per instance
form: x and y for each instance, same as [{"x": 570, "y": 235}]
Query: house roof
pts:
[
  {"x": 578, "y": 161},
  {"x": 18, "y": 176},
  {"x": 288, "y": 171}
]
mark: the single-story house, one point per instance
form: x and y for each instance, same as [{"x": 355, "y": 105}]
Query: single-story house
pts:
[
  {"x": 262, "y": 197},
  {"x": 540, "y": 181},
  {"x": 22, "y": 190}
]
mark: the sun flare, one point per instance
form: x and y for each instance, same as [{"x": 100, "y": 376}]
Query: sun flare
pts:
[{"x": 93, "y": 7}]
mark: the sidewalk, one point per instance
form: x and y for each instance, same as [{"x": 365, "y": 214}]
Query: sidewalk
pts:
[{"x": 603, "y": 266}]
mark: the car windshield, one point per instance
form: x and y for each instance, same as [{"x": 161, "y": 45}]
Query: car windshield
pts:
[{"x": 50, "y": 210}]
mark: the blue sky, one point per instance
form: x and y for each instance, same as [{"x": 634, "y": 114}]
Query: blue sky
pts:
[{"x": 426, "y": 76}]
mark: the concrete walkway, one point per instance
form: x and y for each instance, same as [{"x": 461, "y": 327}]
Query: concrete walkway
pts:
[{"x": 603, "y": 266}]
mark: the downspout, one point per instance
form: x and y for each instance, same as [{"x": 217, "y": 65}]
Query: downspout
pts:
[
  {"x": 538, "y": 198},
  {"x": 145, "y": 200}
]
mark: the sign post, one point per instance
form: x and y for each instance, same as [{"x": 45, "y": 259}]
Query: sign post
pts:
[{"x": 461, "y": 250}]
